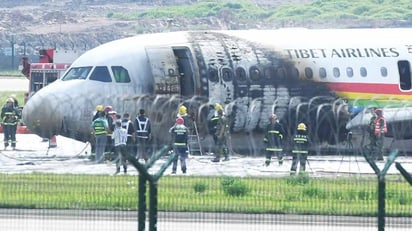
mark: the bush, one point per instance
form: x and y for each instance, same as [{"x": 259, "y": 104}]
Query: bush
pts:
[
  {"x": 200, "y": 187},
  {"x": 234, "y": 187}
]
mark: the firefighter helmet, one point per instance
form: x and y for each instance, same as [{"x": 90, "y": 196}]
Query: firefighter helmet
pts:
[
  {"x": 378, "y": 112},
  {"x": 180, "y": 121},
  {"x": 273, "y": 116},
  {"x": 99, "y": 108},
  {"x": 302, "y": 127},
  {"x": 108, "y": 108},
  {"x": 218, "y": 107},
  {"x": 182, "y": 110},
  {"x": 10, "y": 100}
]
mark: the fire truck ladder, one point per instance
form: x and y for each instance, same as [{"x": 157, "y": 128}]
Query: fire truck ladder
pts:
[{"x": 193, "y": 141}]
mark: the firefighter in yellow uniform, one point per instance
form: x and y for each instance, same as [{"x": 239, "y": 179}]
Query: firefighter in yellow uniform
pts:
[
  {"x": 300, "y": 149},
  {"x": 221, "y": 135},
  {"x": 10, "y": 118}
]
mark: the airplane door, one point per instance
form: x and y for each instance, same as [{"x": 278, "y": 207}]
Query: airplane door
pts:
[
  {"x": 164, "y": 70},
  {"x": 186, "y": 74},
  {"x": 404, "y": 68}
]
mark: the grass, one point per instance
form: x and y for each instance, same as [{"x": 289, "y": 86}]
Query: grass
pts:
[
  {"x": 315, "y": 11},
  {"x": 343, "y": 196},
  {"x": 12, "y": 73},
  {"x": 4, "y": 95}
]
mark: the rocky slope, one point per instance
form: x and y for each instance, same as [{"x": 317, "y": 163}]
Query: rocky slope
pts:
[{"x": 83, "y": 24}]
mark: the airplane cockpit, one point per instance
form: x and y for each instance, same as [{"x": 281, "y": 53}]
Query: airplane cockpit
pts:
[
  {"x": 98, "y": 73},
  {"x": 77, "y": 73}
]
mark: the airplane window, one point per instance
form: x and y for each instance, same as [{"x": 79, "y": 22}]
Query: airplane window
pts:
[
  {"x": 213, "y": 75},
  {"x": 254, "y": 73},
  {"x": 349, "y": 72},
  {"x": 336, "y": 72},
  {"x": 322, "y": 72},
  {"x": 121, "y": 75},
  {"x": 240, "y": 74},
  {"x": 363, "y": 72},
  {"x": 227, "y": 74},
  {"x": 308, "y": 72},
  {"x": 77, "y": 73},
  {"x": 101, "y": 74},
  {"x": 384, "y": 71}
]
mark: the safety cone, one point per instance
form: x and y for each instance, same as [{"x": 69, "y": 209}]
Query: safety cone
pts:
[{"x": 52, "y": 142}]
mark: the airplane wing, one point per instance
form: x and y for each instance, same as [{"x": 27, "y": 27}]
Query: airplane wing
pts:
[{"x": 399, "y": 116}]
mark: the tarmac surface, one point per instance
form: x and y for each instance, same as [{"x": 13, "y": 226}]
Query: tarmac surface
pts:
[
  {"x": 33, "y": 155},
  {"x": 14, "y": 83}
]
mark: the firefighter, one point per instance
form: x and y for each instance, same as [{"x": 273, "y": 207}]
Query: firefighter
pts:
[
  {"x": 110, "y": 117},
  {"x": 379, "y": 133},
  {"x": 187, "y": 118},
  {"x": 221, "y": 135},
  {"x": 300, "y": 149},
  {"x": 212, "y": 119},
  {"x": 99, "y": 108},
  {"x": 179, "y": 132},
  {"x": 101, "y": 128},
  {"x": 129, "y": 126},
  {"x": 119, "y": 137},
  {"x": 273, "y": 140},
  {"x": 15, "y": 101},
  {"x": 143, "y": 135},
  {"x": 10, "y": 116}
]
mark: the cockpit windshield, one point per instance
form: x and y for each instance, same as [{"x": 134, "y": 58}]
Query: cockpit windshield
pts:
[{"x": 77, "y": 73}]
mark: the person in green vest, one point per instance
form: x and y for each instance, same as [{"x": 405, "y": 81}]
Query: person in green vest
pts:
[{"x": 100, "y": 131}]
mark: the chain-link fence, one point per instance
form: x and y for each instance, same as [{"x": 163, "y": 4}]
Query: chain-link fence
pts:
[{"x": 241, "y": 194}]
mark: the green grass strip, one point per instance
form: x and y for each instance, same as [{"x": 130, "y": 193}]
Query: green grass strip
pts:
[{"x": 342, "y": 196}]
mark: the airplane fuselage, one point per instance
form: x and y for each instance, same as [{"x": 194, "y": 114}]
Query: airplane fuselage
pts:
[{"x": 315, "y": 76}]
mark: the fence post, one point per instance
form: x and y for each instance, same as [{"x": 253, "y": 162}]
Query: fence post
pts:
[
  {"x": 404, "y": 172},
  {"x": 142, "y": 203},
  {"x": 382, "y": 185},
  {"x": 153, "y": 207},
  {"x": 145, "y": 177}
]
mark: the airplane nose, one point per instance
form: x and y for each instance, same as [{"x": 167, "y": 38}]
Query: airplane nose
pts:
[{"x": 42, "y": 115}]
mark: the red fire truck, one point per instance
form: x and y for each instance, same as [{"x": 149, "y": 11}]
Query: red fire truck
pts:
[
  {"x": 42, "y": 74},
  {"x": 50, "y": 67}
]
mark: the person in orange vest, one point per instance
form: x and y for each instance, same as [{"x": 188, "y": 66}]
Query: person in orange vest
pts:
[{"x": 379, "y": 132}]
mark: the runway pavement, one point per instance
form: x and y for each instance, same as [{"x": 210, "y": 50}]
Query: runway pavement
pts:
[
  {"x": 71, "y": 156},
  {"x": 14, "y": 83},
  {"x": 80, "y": 220}
]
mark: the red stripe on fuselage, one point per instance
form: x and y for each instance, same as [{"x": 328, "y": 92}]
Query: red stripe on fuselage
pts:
[{"x": 371, "y": 88}]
